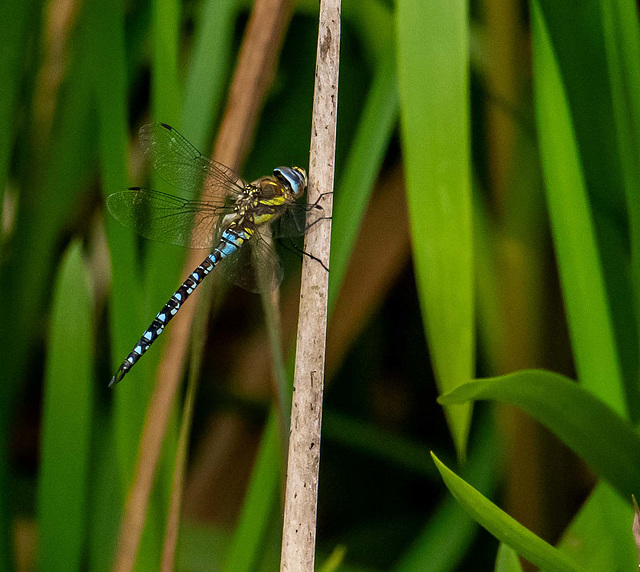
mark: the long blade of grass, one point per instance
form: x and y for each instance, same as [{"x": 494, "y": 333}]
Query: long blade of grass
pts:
[
  {"x": 106, "y": 20},
  {"x": 503, "y": 527},
  {"x": 433, "y": 68},
  {"x": 435, "y": 549},
  {"x": 67, "y": 420},
  {"x": 605, "y": 514},
  {"x": 110, "y": 83},
  {"x": 163, "y": 265},
  {"x": 12, "y": 53},
  {"x": 507, "y": 560},
  {"x": 363, "y": 164},
  {"x": 211, "y": 59},
  {"x": 574, "y": 236},
  {"x": 11, "y": 58},
  {"x": 622, "y": 43},
  {"x": 105, "y": 497},
  {"x": 580, "y": 45},
  {"x": 260, "y": 499},
  {"x": 57, "y": 178}
]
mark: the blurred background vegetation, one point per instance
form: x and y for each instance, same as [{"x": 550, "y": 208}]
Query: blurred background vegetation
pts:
[{"x": 486, "y": 221}]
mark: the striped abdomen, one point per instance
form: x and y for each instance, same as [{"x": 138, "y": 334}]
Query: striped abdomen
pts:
[{"x": 232, "y": 239}]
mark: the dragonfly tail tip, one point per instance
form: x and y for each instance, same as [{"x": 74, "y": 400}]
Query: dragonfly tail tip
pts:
[{"x": 117, "y": 378}]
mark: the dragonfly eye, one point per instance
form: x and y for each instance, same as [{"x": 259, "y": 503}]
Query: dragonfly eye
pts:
[{"x": 293, "y": 178}]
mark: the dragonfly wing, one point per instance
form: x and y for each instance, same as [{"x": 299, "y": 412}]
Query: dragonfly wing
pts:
[
  {"x": 183, "y": 166},
  {"x": 255, "y": 267},
  {"x": 296, "y": 219},
  {"x": 167, "y": 218}
]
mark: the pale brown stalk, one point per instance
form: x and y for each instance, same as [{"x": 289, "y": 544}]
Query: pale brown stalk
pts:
[
  {"x": 173, "y": 520},
  {"x": 301, "y": 496},
  {"x": 254, "y": 72}
]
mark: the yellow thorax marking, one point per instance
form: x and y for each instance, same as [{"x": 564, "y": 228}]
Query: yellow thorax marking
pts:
[
  {"x": 274, "y": 202},
  {"x": 261, "y": 219}
]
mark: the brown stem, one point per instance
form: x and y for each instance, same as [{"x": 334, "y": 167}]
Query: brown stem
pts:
[{"x": 301, "y": 497}]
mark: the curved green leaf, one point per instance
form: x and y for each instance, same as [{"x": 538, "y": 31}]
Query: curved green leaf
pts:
[
  {"x": 502, "y": 526},
  {"x": 606, "y": 441},
  {"x": 435, "y": 544}
]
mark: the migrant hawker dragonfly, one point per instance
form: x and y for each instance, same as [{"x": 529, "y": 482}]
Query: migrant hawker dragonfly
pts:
[{"x": 226, "y": 219}]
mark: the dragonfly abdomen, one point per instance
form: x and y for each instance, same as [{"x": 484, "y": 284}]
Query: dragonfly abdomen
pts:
[{"x": 231, "y": 240}]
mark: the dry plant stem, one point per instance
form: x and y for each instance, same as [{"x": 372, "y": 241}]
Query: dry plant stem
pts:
[
  {"x": 264, "y": 35},
  {"x": 173, "y": 520},
  {"x": 299, "y": 531},
  {"x": 280, "y": 383},
  {"x": 257, "y": 60}
]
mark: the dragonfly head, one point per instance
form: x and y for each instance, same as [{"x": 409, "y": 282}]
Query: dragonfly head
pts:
[{"x": 294, "y": 179}]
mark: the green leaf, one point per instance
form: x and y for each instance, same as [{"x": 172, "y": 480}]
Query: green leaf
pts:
[
  {"x": 604, "y": 515},
  {"x": 57, "y": 178},
  {"x": 334, "y": 561},
  {"x": 106, "y": 22},
  {"x": 433, "y": 79},
  {"x": 435, "y": 544},
  {"x": 606, "y": 441},
  {"x": 574, "y": 235},
  {"x": 507, "y": 560},
  {"x": 165, "y": 79},
  {"x": 106, "y": 25},
  {"x": 503, "y": 527},
  {"x": 258, "y": 504},
  {"x": 365, "y": 158},
  {"x": 211, "y": 60},
  {"x": 12, "y": 51},
  {"x": 105, "y": 497},
  {"x": 622, "y": 47},
  {"x": 67, "y": 420}
]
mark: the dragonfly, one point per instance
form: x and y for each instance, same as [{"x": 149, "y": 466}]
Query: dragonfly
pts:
[{"x": 228, "y": 219}]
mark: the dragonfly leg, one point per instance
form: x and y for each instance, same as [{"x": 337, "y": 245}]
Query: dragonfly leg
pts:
[
  {"x": 301, "y": 252},
  {"x": 316, "y": 205},
  {"x": 320, "y": 197}
]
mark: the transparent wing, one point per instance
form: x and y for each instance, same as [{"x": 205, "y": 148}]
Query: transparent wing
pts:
[
  {"x": 167, "y": 218},
  {"x": 183, "y": 166},
  {"x": 296, "y": 219},
  {"x": 255, "y": 267}
]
